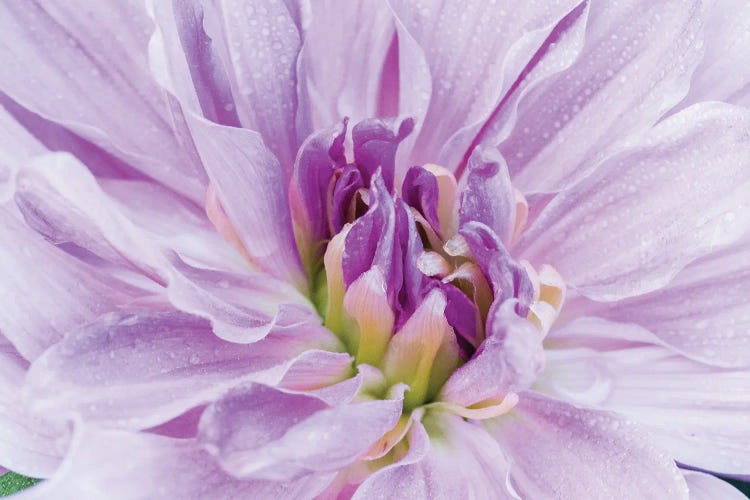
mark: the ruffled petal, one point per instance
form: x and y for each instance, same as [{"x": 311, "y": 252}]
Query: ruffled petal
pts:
[
  {"x": 29, "y": 445},
  {"x": 635, "y": 65},
  {"x": 260, "y": 432},
  {"x": 723, "y": 74},
  {"x": 488, "y": 197},
  {"x": 46, "y": 292},
  {"x": 558, "y": 52},
  {"x": 473, "y": 54},
  {"x": 102, "y": 86},
  {"x": 341, "y": 67},
  {"x": 375, "y": 144},
  {"x": 152, "y": 464},
  {"x": 652, "y": 208},
  {"x": 242, "y": 307},
  {"x": 507, "y": 361},
  {"x": 702, "y": 313},
  {"x": 696, "y": 412},
  {"x": 259, "y": 43},
  {"x": 373, "y": 241},
  {"x": 142, "y": 368},
  {"x": 459, "y": 460},
  {"x": 185, "y": 61},
  {"x": 310, "y": 188},
  {"x": 252, "y": 187},
  {"x": 127, "y": 226},
  {"x": 559, "y": 450}
]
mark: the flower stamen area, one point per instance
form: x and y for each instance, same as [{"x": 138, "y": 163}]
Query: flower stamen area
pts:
[{"x": 418, "y": 282}]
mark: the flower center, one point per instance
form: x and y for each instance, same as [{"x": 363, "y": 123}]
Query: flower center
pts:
[
  {"x": 418, "y": 282},
  {"x": 408, "y": 286}
]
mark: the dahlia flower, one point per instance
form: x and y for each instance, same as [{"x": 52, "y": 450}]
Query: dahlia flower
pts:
[{"x": 375, "y": 249}]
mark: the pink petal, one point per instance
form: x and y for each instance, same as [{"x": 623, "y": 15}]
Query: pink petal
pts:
[
  {"x": 703, "y": 312},
  {"x": 29, "y": 445},
  {"x": 102, "y": 86},
  {"x": 337, "y": 81},
  {"x": 260, "y": 432},
  {"x": 252, "y": 187},
  {"x": 141, "y": 368},
  {"x": 461, "y": 461},
  {"x": 46, "y": 292},
  {"x": 561, "y": 451},
  {"x": 652, "y": 208},
  {"x": 707, "y": 487},
  {"x": 123, "y": 222},
  {"x": 424, "y": 352},
  {"x": 16, "y": 144},
  {"x": 695, "y": 412},
  {"x": 619, "y": 85},
  {"x": 508, "y": 360},
  {"x": 473, "y": 53},
  {"x": 185, "y": 61},
  {"x": 723, "y": 74},
  {"x": 558, "y": 52},
  {"x": 488, "y": 197},
  {"x": 259, "y": 43},
  {"x": 154, "y": 465},
  {"x": 242, "y": 307},
  {"x": 366, "y": 302},
  {"x": 402, "y": 475}
]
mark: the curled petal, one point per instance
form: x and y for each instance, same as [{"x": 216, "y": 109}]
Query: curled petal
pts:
[{"x": 264, "y": 433}]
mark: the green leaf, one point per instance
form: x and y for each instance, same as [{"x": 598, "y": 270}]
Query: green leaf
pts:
[{"x": 11, "y": 482}]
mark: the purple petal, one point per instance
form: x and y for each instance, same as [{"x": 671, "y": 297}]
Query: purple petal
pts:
[
  {"x": 693, "y": 411},
  {"x": 103, "y": 91},
  {"x": 508, "y": 279},
  {"x": 618, "y": 86},
  {"x": 508, "y": 360},
  {"x": 563, "y": 451},
  {"x": 488, "y": 197},
  {"x": 17, "y": 144},
  {"x": 410, "y": 248},
  {"x": 462, "y": 314},
  {"x": 375, "y": 145},
  {"x": 263, "y": 62},
  {"x": 317, "y": 370},
  {"x": 154, "y": 464},
  {"x": 344, "y": 196},
  {"x": 400, "y": 476},
  {"x": 29, "y": 445},
  {"x": 649, "y": 210},
  {"x": 556, "y": 54},
  {"x": 318, "y": 157},
  {"x": 260, "y": 432},
  {"x": 420, "y": 191},
  {"x": 252, "y": 187},
  {"x": 372, "y": 239},
  {"x": 716, "y": 328},
  {"x": 123, "y": 222},
  {"x": 473, "y": 53},
  {"x": 465, "y": 462},
  {"x": 723, "y": 74},
  {"x": 242, "y": 308},
  {"x": 26, "y": 134},
  {"x": 338, "y": 81},
  {"x": 46, "y": 292},
  {"x": 189, "y": 65},
  {"x": 141, "y": 368}
]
